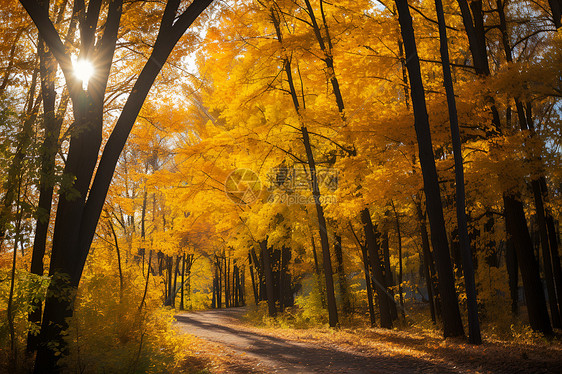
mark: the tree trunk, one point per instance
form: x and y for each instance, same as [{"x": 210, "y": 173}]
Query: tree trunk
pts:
[
  {"x": 512, "y": 271},
  {"x": 182, "y": 305},
  {"x": 474, "y": 336},
  {"x": 432, "y": 286},
  {"x": 322, "y": 228},
  {"x": 556, "y": 8},
  {"x": 254, "y": 285},
  {"x": 452, "y": 324},
  {"x": 52, "y": 125},
  {"x": 399, "y": 235},
  {"x": 317, "y": 271},
  {"x": 368, "y": 283},
  {"x": 342, "y": 279},
  {"x": 268, "y": 278},
  {"x": 388, "y": 277},
  {"x": 555, "y": 257},
  {"x": 547, "y": 261},
  {"x": 376, "y": 266},
  {"x": 77, "y": 217},
  {"x": 534, "y": 293}
]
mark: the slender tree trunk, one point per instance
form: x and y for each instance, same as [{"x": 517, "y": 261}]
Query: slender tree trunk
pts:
[
  {"x": 534, "y": 293},
  {"x": 219, "y": 283},
  {"x": 400, "y": 269},
  {"x": 376, "y": 266},
  {"x": 119, "y": 267},
  {"x": 368, "y": 283},
  {"x": 555, "y": 257},
  {"x": 474, "y": 336},
  {"x": 512, "y": 271},
  {"x": 432, "y": 287},
  {"x": 243, "y": 286},
  {"x": 342, "y": 279},
  {"x": 317, "y": 271},
  {"x": 388, "y": 277},
  {"x": 546, "y": 255},
  {"x": 254, "y": 286},
  {"x": 10, "y": 312},
  {"x": 51, "y": 125},
  {"x": 322, "y": 228},
  {"x": 323, "y": 231},
  {"x": 149, "y": 270},
  {"x": 452, "y": 324},
  {"x": 182, "y": 305},
  {"x": 365, "y": 258},
  {"x": 268, "y": 278},
  {"x": 175, "y": 281}
]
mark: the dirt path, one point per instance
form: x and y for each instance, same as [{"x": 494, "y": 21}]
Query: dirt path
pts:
[{"x": 262, "y": 352}]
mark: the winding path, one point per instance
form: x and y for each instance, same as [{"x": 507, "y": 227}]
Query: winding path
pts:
[{"x": 265, "y": 353}]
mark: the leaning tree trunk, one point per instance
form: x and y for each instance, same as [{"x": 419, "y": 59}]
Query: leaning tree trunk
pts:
[
  {"x": 79, "y": 210},
  {"x": 452, "y": 323},
  {"x": 532, "y": 285},
  {"x": 322, "y": 227},
  {"x": 377, "y": 276}
]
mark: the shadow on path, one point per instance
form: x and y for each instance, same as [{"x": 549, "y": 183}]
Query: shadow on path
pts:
[{"x": 278, "y": 355}]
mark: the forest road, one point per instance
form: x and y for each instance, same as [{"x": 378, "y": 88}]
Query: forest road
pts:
[{"x": 261, "y": 352}]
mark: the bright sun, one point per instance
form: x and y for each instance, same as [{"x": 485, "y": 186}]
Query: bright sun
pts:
[{"x": 83, "y": 70}]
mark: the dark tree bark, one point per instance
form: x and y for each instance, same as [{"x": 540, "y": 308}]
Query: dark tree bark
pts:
[
  {"x": 323, "y": 231},
  {"x": 534, "y": 293},
  {"x": 52, "y": 122},
  {"x": 556, "y": 8},
  {"x": 254, "y": 283},
  {"x": 218, "y": 272},
  {"x": 399, "y": 235},
  {"x": 182, "y": 305},
  {"x": 235, "y": 286},
  {"x": 377, "y": 276},
  {"x": 368, "y": 283},
  {"x": 552, "y": 236},
  {"x": 474, "y": 336},
  {"x": 175, "y": 281},
  {"x": 539, "y": 310},
  {"x": 322, "y": 227},
  {"x": 512, "y": 271},
  {"x": 474, "y": 26},
  {"x": 318, "y": 272},
  {"x": 546, "y": 255},
  {"x": 326, "y": 47},
  {"x": 452, "y": 324},
  {"x": 388, "y": 277},
  {"x": 342, "y": 279},
  {"x": 77, "y": 217},
  {"x": 272, "y": 310},
  {"x": 432, "y": 292}
]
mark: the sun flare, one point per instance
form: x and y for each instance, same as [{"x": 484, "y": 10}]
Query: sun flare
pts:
[{"x": 83, "y": 70}]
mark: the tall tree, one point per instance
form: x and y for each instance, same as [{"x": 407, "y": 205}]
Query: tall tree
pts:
[
  {"x": 79, "y": 209},
  {"x": 464, "y": 240},
  {"x": 452, "y": 323}
]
